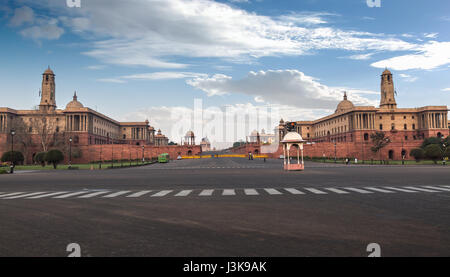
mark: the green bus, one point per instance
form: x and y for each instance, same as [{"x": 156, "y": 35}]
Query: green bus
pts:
[{"x": 163, "y": 158}]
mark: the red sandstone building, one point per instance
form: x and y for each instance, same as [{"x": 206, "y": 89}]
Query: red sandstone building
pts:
[
  {"x": 346, "y": 133},
  {"x": 48, "y": 127}
]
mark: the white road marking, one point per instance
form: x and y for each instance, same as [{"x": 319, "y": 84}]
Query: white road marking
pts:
[
  {"x": 139, "y": 194},
  {"x": 90, "y": 195},
  {"x": 315, "y": 191},
  {"x": 438, "y": 188},
  {"x": 399, "y": 189},
  {"x": 117, "y": 194},
  {"x": 206, "y": 192},
  {"x": 359, "y": 190},
  {"x": 293, "y": 191},
  {"x": 162, "y": 193},
  {"x": 11, "y": 194},
  {"x": 47, "y": 195},
  {"x": 272, "y": 191},
  {"x": 379, "y": 190},
  {"x": 184, "y": 193},
  {"x": 229, "y": 192},
  {"x": 421, "y": 189},
  {"x": 25, "y": 195},
  {"x": 337, "y": 190},
  {"x": 251, "y": 192},
  {"x": 70, "y": 194}
]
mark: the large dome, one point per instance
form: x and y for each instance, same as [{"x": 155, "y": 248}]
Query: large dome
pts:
[
  {"x": 74, "y": 104},
  {"x": 292, "y": 137},
  {"x": 344, "y": 105}
]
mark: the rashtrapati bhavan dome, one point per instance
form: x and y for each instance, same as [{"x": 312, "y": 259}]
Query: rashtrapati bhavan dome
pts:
[
  {"x": 47, "y": 127},
  {"x": 350, "y": 126}
]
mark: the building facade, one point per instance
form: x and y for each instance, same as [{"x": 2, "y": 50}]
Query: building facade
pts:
[
  {"x": 48, "y": 127},
  {"x": 406, "y": 127}
]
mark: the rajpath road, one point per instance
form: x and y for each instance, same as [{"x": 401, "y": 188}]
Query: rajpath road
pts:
[{"x": 227, "y": 207}]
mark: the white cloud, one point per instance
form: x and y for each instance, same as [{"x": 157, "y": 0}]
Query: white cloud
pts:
[
  {"x": 446, "y": 89},
  {"x": 430, "y": 56},
  {"x": 430, "y": 35},
  {"x": 164, "y": 75},
  {"x": 157, "y": 33},
  {"x": 49, "y": 30},
  {"x": 96, "y": 67},
  {"x": 111, "y": 80},
  {"x": 367, "y": 56},
  {"x": 21, "y": 16},
  {"x": 285, "y": 87},
  {"x": 408, "y": 78}
]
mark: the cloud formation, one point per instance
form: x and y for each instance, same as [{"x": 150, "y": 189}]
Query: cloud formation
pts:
[{"x": 286, "y": 87}]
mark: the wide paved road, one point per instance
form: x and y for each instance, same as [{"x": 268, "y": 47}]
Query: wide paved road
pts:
[{"x": 227, "y": 207}]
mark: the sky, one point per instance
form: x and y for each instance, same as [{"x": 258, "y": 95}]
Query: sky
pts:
[{"x": 256, "y": 60}]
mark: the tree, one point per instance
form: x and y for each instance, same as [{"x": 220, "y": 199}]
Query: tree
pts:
[
  {"x": 173, "y": 143},
  {"x": 13, "y": 157},
  {"x": 54, "y": 157},
  {"x": 40, "y": 158},
  {"x": 433, "y": 140},
  {"x": 238, "y": 143},
  {"x": 433, "y": 152},
  {"x": 379, "y": 141},
  {"x": 23, "y": 138},
  {"x": 417, "y": 153},
  {"x": 44, "y": 124}
]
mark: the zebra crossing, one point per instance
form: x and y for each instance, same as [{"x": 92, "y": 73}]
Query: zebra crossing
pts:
[{"x": 298, "y": 191}]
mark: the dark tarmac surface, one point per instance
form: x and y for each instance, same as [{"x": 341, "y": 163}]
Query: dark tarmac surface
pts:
[{"x": 230, "y": 221}]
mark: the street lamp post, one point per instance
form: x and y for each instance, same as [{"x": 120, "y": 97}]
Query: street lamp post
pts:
[
  {"x": 143, "y": 154},
  {"x": 335, "y": 161},
  {"x": 70, "y": 152},
  {"x": 112, "y": 152},
  {"x": 13, "y": 133}
]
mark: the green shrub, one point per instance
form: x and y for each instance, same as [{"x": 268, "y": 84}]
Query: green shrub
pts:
[
  {"x": 447, "y": 152},
  {"x": 433, "y": 152},
  {"x": 13, "y": 157},
  {"x": 417, "y": 153},
  {"x": 433, "y": 140},
  {"x": 39, "y": 158},
  {"x": 54, "y": 157},
  {"x": 3, "y": 171}
]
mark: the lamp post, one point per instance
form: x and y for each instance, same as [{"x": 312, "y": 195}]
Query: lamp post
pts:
[
  {"x": 112, "y": 152},
  {"x": 13, "y": 133},
  {"x": 335, "y": 161},
  {"x": 143, "y": 154},
  {"x": 70, "y": 152}
]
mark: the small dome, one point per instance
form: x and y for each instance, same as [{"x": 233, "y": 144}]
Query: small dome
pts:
[
  {"x": 292, "y": 137},
  {"x": 74, "y": 104},
  {"x": 344, "y": 105},
  {"x": 189, "y": 134}
]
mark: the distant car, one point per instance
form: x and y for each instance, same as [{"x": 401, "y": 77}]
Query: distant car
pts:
[{"x": 179, "y": 158}]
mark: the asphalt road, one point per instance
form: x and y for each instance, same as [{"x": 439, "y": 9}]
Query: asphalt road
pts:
[{"x": 227, "y": 207}]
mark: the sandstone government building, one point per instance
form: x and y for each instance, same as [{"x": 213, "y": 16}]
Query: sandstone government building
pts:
[
  {"x": 47, "y": 127},
  {"x": 346, "y": 132}
]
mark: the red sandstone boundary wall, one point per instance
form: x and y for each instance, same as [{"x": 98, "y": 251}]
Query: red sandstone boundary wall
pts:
[{"x": 107, "y": 152}]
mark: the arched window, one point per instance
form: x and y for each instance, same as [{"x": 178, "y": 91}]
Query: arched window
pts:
[{"x": 366, "y": 136}]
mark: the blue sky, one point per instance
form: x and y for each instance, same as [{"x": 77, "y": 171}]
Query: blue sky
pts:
[{"x": 141, "y": 59}]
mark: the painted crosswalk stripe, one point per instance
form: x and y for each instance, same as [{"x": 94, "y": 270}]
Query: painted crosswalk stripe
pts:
[
  {"x": 162, "y": 193},
  {"x": 139, "y": 194},
  {"x": 447, "y": 186},
  {"x": 206, "y": 192},
  {"x": 25, "y": 195},
  {"x": 250, "y": 192},
  {"x": 184, "y": 193},
  {"x": 437, "y": 188},
  {"x": 379, "y": 190},
  {"x": 337, "y": 190},
  {"x": 421, "y": 189},
  {"x": 315, "y": 191},
  {"x": 71, "y": 194},
  {"x": 293, "y": 191},
  {"x": 359, "y": 190},
  {"x": 272, "y": 191},
  {"x": 117, "y": 194},
  {"x": 47, "y": 195},
  {"x": 401, "y": 189},
  {"x": 11, "y": 194},
  {"x": 229, "y": 192},
  {"x": 90, "y": 195}
]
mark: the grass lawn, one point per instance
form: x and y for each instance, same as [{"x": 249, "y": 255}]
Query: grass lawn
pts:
[
  {"x": 65, "y": 167},
  {"x": 424, "y": 162}
]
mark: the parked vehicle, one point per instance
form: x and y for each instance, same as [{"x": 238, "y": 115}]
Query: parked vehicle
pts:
[{"x": 163, "y": 158}]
